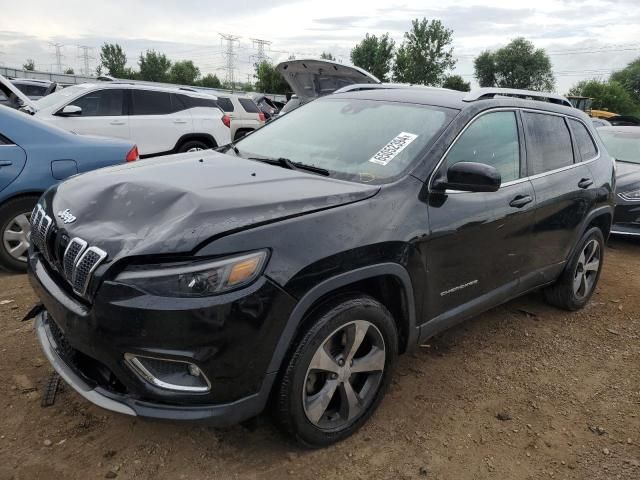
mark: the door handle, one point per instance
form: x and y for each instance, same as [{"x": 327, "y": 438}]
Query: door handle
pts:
[
  {"x": 585, "y": 183},
  {"x": 179, "y": 121},
  {"x": 520, "y": 201},
  {"x": 5, "y": 163},
  {"x": 116, "y": 122}
]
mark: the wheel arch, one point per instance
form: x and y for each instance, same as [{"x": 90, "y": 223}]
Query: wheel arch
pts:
[
  {"x": 203, "y": 137},
  {"x": 388, "y": 283},
  {"x": 601, "y": 217},
  {"x": 22, "y": 194}
]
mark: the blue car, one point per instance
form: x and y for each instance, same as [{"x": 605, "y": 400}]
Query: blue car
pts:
[{"x": 33, "y": 157}]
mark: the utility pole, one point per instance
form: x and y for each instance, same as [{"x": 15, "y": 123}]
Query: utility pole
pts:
[
  {"x": 230, "y": 57},
  {"x": 58, "y": 47},
  {"x": 259, "y": 45},
  {"x": 85, "y": 57}
]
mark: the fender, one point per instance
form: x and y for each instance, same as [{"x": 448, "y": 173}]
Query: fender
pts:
[
  {"x": 331, "y": 284},
  {"x": 591, "y": 216}
]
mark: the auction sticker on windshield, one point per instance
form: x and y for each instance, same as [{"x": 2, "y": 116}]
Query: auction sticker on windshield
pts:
[{"x": 393, "y": 148}]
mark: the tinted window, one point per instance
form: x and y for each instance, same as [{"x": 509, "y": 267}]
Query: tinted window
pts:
[
  {"x": 548, "y": 142},
  {"x": 249, "y": 105},
  {"x": 32, "y": 90},
  {"x": 225, "y": 104},
  {"x": 586, "y": 146},
  {"x": 100, "y": 103},
  {"x": 199, "y": 102},
  {"x": 492, "y": 139},
  {"x": 149, "y": 102},
  {"x": 623, "y": 145}
]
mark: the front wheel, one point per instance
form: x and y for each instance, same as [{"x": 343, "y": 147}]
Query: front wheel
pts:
[
  {"x": 577, "y": 283},
  {"x": 15, "y": 232},
  {"x": 192, "y": 146},
  {"x": 338, "y": 373}
]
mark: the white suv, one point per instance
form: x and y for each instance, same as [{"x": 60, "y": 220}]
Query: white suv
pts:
[
  {"x": 158, "y": 119},
  {"x": 244, "y": 113}
]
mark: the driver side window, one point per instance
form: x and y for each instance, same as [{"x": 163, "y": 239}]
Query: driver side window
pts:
[
  {"x": 101, "y": 103},
  {"x": 491, "y": 139}
]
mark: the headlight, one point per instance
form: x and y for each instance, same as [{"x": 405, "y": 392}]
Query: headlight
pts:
[
  {"x": 631, "y": 195},
  {"x": 201, "y": 279}
]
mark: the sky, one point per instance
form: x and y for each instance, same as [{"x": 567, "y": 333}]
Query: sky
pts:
[{"x": 584, "y": 38}]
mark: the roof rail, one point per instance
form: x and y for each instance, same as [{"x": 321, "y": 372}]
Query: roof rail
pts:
[
  {"x": 490, "y": 92},
  {"x": 357, "y": 87}
]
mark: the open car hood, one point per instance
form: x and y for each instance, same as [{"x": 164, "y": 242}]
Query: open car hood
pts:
[
  {"x": 9, "y": 88},
  {"x": 315, "y": 78}
]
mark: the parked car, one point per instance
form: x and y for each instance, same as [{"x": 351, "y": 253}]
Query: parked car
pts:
[
  {"x": 35, "y": 89},
  {"x": 244, "y": 114},
  {"x": 296, "y": 264},
  {"x": 310, "y": 79},
  {"x": 34, "y": 156},
  {"x": 265, "y": 104},
  {"x": 623, "y": 144},
  {"x": 600, "y": 122},
  {"x": 159, "y": 120}
]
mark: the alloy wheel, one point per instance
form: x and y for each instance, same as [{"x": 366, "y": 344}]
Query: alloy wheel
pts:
[
  {"x": 195, "y": 149},
  {"x": 16, "y": 237},
  {"x": 587, "y": 269},
  {"x": 344, "y": 375}
]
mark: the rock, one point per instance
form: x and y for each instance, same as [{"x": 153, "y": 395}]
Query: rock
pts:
[
  {"x": 111, "y": 474},
  {"x": 47, "y": 443},
  {"x": 503, "y": 416},
  {"x": 5, "y": 302},
  {"x": 605, "y": 451},
  {"x": 629, "y": 441},
  {"x": 23, "y": 383}
]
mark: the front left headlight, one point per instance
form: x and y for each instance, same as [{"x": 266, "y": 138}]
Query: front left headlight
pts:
[
  {"x": 196, "y": 279},
  {"x": 631, "y": 195}
]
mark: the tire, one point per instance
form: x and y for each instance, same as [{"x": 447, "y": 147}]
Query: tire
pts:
[
  {"x": 579, "y": 279},
  {"x": 15, "y": 231},
  {"x": 311, "y": 403},
  {"x": 193, "y": 146},
  {"x": 241, "y": 133}
]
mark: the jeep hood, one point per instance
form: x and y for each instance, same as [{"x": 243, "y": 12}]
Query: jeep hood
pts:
[
  {"x": 315, "y": 78},
  {"x": 175, "y": 204},
  {"x": 8, "y": 88}
]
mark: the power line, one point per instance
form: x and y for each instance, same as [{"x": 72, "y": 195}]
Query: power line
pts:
[
  {"x": 59, "y": 55},
  {"x": 230, "y": 56},
  {"x": 259, "y": 45},
  {"x": 85, "y": 57}
]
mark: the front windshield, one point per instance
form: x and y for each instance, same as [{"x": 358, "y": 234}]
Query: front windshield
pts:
[
  {"x": 622, "y": 145},
  {"x": 354, "y": 139},
  {"x": 59, "y": 97}
]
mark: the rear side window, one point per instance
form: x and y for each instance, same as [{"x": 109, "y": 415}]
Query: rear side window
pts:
[
  {"x": 548, "y": 142},
  {"x": 586, "y": 145},
  {"x": 101, "y": 103},
  {"x": 32, "y": 90},
  {"x": 149, "y": 102},
  {"x": 491, "y": 139},
  {"x": 225, "y": 104},
  {"x": 249, "y": 105},
  {"x": 200, "y": 102}
]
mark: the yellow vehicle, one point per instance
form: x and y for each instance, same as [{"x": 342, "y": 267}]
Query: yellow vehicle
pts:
[{"x": 584, "y": 104}]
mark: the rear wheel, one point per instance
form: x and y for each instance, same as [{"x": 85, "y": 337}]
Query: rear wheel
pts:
[
  {"x": 193, "y": 146},
  {"x": 338, "y": 373},
  {"x": 577, "y": 283},
  {"x": 15, "y": 232}
]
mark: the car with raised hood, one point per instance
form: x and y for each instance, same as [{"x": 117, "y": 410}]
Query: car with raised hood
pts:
[
  {"x": 34, "y": 156},
  {"x": 623, "y": 144},
  {"x": 311, "y": 78},
  {"x": 296, "y": 264},
  {"x": 160, "y": 120}
]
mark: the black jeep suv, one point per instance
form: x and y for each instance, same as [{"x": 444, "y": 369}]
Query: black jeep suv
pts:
[{"x": 297, "y": 264}]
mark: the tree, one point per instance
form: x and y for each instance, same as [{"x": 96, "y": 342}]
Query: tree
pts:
[
  {"x": 269, "y": 79},
  {"x": 211, "y": 81},
  {"x": 29, "y": 65},
  {"x": 113, "y": 59},
  {"x": 184, "y": 72},
  {"x": 375, "y": 55},
  {"x": 154, "y": 66},
  {"x": 629, "y": 78},
  {"x": 517, "y": 65},
  {"x": 425, "y": 54},
  {"x": 327, "y": 56},
  {"x": 69, "y": 71},
  {"x": 456, "y": 82},
  {"x": 609, "y": 95}
]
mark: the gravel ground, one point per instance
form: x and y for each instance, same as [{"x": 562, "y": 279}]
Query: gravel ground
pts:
[{"x": 524, "y": 391}]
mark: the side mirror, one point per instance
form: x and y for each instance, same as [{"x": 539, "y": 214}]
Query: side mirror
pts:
[
  {"x": 470, "y": 177},
  {"x": 70, "y": 111}
]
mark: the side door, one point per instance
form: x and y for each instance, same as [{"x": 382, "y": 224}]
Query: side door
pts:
[
  {"x": 102, "y": 113},
  {"x": 563, "y": 186},
  {"x": 12, "y": 161},
  {"x": 158, "y": 120},
  {"x": 479, "y": 244}
]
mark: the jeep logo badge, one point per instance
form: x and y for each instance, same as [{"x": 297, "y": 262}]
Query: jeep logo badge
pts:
[{"x": 66, "y": 216}]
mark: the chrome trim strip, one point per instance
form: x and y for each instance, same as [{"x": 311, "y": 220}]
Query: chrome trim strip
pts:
[
  {"x": 629, "y": 234},
  {"x": 138, "y": 367}
]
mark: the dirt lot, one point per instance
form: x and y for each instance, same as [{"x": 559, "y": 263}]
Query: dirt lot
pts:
[{"x": 566, "y": 389}]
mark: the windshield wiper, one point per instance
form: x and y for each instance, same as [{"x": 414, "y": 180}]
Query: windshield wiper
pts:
[
  {"x": 227, "y": 147},
  {"x": 286, "y": 163}
]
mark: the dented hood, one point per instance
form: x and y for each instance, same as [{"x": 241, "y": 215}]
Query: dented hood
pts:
[
  {"x": 174, "y": 204},
  {"x": 315, "y": 78}
]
